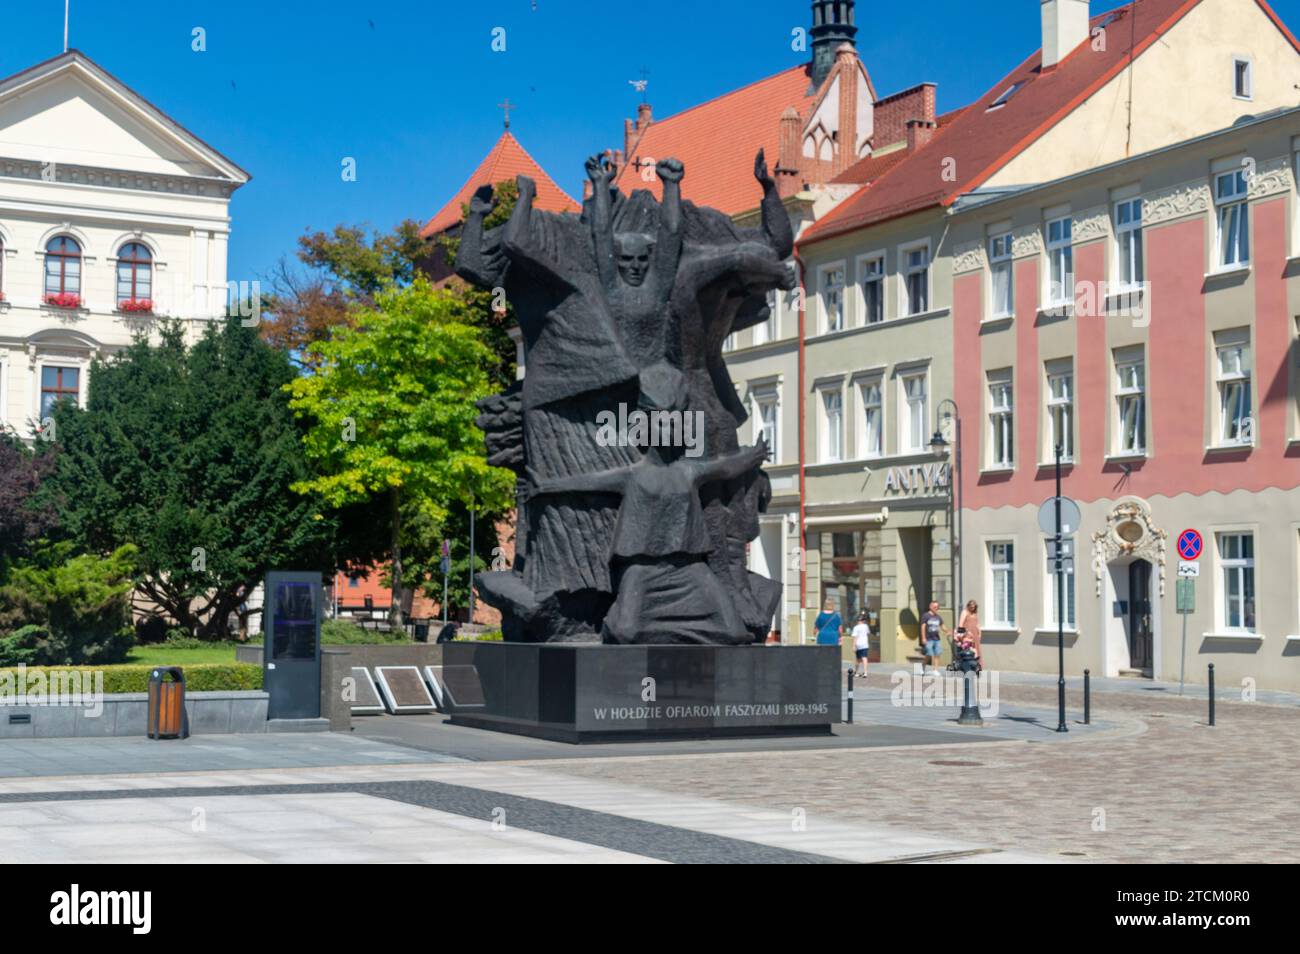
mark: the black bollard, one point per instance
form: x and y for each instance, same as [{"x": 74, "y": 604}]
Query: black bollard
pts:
[
  {"x": 850, "y": 718},
  {"x": 969, "y": 668},
  {"x": 1087, "y": 697},
  {"x": 1211, "y": 693}
]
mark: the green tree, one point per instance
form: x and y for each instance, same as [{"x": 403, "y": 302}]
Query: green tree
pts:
[
  {"x": 391, "y": 412},
  {"x": 345, "y": 268},
  {"x": 189, "y": 453}
]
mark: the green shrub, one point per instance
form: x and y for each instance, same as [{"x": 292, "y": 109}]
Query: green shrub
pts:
[
  {"x": 340, "y": 632},
  {"x": 68, "y": 610},
  {"x": 181, "y": 639},
  {"x": 203, "y": 677}
]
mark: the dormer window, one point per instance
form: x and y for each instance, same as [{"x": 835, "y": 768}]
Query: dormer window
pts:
[{"x": 1006, "y": 95}]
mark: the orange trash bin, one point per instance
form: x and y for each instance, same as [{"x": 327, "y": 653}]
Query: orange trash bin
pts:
[{"x": 166, "y": 715}]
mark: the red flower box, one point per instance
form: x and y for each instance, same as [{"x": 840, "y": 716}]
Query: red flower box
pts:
[
  {"x": 136, "y": 305},
  {"x": 64, "y": 300}
]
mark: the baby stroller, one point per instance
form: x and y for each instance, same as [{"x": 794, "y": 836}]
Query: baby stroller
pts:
[{"x": 954, "y": 647}]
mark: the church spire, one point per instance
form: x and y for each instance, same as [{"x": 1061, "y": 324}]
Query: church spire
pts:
[{"x": 833, "y": 26}]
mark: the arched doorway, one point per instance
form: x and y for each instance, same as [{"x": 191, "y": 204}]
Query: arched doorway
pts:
[{"x": 1129, "y": 562}]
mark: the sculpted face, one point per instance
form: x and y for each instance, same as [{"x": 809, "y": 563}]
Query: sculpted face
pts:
[{"x": 633, "y": 254}]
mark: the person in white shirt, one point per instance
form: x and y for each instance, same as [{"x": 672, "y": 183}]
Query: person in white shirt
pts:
[{"x": 861, "y": 644}]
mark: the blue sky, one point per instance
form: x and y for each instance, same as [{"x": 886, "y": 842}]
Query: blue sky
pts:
[{"x": 288, "y": 88}]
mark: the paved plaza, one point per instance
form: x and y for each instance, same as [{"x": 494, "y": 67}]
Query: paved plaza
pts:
[{"x": 901, "y": 785}]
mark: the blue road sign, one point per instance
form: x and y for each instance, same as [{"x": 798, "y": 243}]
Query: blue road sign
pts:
[{"x": 1190, "y": 545}]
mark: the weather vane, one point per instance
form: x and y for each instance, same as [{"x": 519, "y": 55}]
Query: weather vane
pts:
[{"x": 641, "y": 84}]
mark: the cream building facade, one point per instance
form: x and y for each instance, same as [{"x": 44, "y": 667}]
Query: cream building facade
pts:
[{"x": 111, "y": 214}]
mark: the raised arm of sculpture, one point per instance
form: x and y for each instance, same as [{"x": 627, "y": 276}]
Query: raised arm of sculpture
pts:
[
  {"x": 754, "y": 266},
  {"x": 518, "y": 242},
  {"x": 478, "y": 261},
  {"x": 732, "y": 465},
  {"x": 597, "y": 482},
  {"x": 668, "y": 246},
  {"x": 776, "y": 221},
  {"x": 601, "y": 173}
]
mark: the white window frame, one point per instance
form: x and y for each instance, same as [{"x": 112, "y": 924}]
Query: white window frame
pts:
[
  {"x": 729, "y": 343},
  {"x": 1124, "y": 393},
  {"x": 824, "y": 290},
  {"x": 1060, "y": 255},
  {"x": 864, "y": 443},
  {"x": 765, "y": 331},
  {"x": 906, "y": 271},
  {"x": 1071, "y": 594},
  {"x": 1234, "y": 383},
  {"x": 768, "y": 397},
  {"x": 907, "y": 414},
  {"x": 1248, "y": 94},
  {"x": 825, "y": 430},
  {"x": 865, "y": 263},
  {"x": 1001, "y": 420},
  {"x": 995, "y": 567},
  {"x": 1237, "y": 197},
  {"x": 1060, "y": 411},
  {"x": 1134, "y": 260},
  {"x": 82, "y": 366},
  {"x": 1001, "y": 262},
  {"x": 1244, "y": 569}
]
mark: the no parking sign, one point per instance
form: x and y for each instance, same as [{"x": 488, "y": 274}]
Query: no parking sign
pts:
[{"x": 1190, "y": 545}]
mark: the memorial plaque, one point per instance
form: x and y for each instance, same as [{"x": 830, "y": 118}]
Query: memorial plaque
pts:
[
  {"x": 403, "y": 689},
  {"x": 367, "y": 693},
  {"x": 433, "y": 679},
  {"x": 462, "y": 686}
]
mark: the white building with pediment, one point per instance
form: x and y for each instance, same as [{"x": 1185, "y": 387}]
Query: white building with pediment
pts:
[{"x": 111, "y": 214}]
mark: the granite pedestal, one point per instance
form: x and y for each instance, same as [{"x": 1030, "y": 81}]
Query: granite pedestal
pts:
[{"x": 580, "y": 694}]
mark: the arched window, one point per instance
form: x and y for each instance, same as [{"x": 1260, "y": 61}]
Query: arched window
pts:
[
  {"x": 63, "y": 269},
  {"x": 134, "y": 275}
]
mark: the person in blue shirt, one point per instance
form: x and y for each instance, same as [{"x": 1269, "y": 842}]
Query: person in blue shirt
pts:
[{"x": 829, "y": 626}]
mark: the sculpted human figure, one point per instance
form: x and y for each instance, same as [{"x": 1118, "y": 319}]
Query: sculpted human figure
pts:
[
  {"x": 664, "y": 589},
  {"x": 629, "y": 304}
]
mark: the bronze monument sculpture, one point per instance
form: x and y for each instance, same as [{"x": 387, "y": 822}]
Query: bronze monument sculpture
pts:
[{"x": 636, "y": 500}]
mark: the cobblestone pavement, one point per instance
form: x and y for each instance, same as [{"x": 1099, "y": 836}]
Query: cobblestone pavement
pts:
[{"x": 1162, "y": 787}]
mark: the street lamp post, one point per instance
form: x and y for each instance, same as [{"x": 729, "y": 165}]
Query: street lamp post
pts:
[{"x": 939, "y": 444}]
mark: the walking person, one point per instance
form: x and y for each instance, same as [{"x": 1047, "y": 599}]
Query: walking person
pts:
[
  {"x": 829, "y": 626},
  {"x": 932, "y": 632},
  {"x": 970, "y": 625},
  {"x": 861, "y": 645}
]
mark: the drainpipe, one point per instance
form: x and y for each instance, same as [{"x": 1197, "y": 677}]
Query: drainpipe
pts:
[{"x": 803, "y": 561}]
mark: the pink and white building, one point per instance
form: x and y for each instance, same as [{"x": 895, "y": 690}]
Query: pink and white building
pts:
[{"x": 1144, "y": 315}]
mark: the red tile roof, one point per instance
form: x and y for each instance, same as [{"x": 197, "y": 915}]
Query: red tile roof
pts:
[
  {"x": 506, "y": 160},
  {"x": 717, "y": 142},
  {"x": 870, "y": 168},
  {"x": 981, "y": 142}
]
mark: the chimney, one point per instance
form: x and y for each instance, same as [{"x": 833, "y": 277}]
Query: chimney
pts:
[
  {"x": 632, "y": 130},
  {"x": 919, "y": 132},
  {"x": 832, "y": 27},
  {"x": 1065, "y": 26},
  {"x": 846, "y": 62}
]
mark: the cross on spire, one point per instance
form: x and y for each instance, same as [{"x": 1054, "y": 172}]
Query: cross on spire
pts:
[{"x": 507, "y": 106}]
